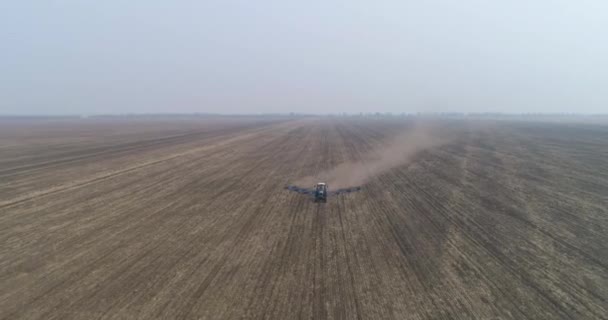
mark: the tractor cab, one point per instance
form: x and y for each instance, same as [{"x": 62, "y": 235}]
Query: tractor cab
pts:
[{"x": 321, "y": 192}]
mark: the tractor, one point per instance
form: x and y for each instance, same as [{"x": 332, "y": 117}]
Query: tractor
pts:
[{"x": 321, "y": 192}]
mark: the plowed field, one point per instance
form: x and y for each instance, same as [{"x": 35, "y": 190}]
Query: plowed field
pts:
[{"x": 189, "y": 219}]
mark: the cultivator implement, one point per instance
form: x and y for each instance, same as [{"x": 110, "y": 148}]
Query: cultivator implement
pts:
[{"x": 320, "y": 191}]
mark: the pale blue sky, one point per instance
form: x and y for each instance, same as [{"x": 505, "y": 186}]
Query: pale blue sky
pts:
[{"x": 91, "y": 57}]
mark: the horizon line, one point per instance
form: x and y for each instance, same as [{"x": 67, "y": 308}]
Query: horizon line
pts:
[{"x": 453, "y": 114}]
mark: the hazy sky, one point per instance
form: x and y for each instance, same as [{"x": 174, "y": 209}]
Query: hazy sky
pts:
[{"x": 89, "y": 57}]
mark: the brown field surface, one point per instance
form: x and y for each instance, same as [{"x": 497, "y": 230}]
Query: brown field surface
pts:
[{"x": 189, "y": 219}]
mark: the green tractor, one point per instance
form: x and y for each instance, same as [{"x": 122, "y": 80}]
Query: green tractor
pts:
[{"x": 321, "y": 192}]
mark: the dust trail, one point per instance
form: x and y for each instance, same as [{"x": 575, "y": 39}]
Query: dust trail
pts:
[{"x": 399, "y": 151}]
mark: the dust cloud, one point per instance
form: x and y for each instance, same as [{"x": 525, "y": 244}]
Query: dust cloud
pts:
[{"x": 399, "y": 151}]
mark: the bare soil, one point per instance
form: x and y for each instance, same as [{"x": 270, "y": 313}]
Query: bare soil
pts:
[{"x": 188, "y": 219}]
